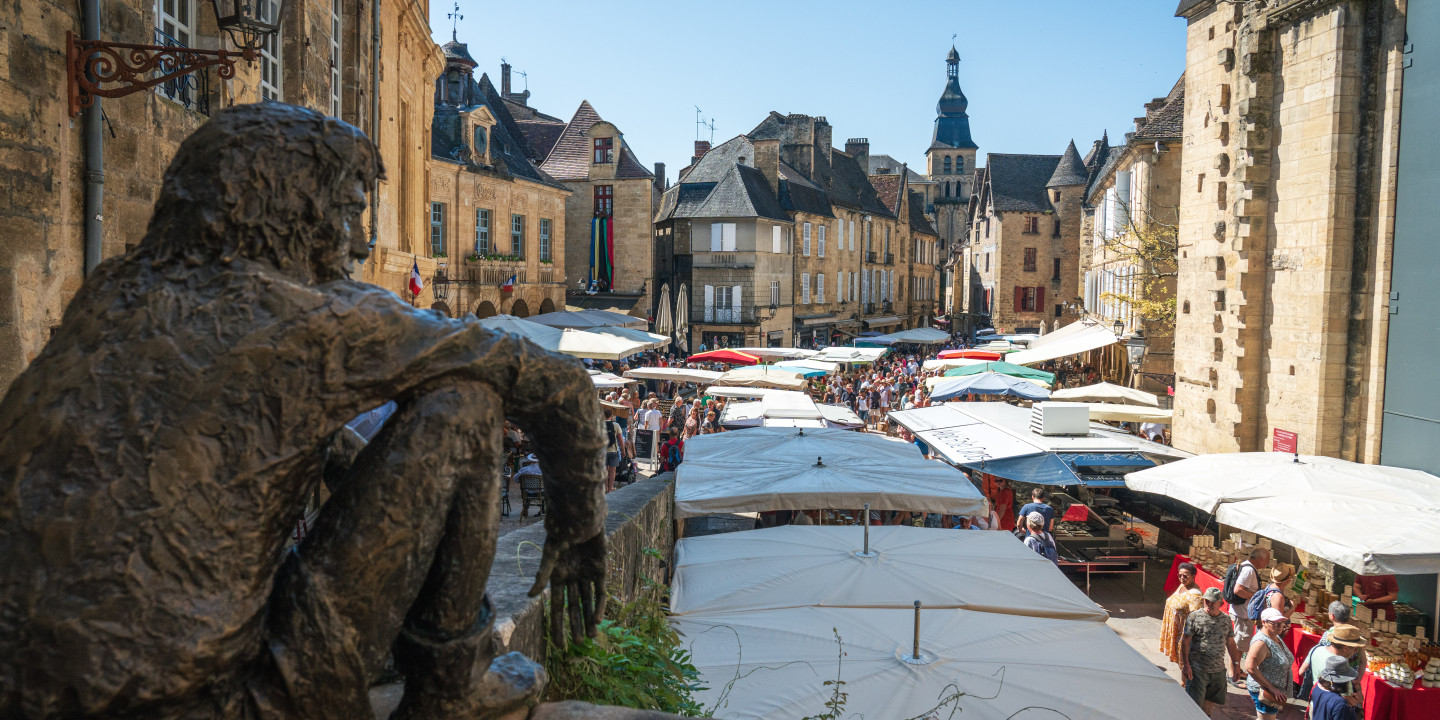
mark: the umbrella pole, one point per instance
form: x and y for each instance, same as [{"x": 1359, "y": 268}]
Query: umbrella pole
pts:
[
  {"x": 916, "y": 653},
  {"x": 865, "y": 520}
]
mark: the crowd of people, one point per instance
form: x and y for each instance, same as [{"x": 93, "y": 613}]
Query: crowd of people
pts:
[{"x": 1200, "y": 634}]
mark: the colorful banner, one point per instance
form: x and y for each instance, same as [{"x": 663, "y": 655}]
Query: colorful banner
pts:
[{"x": 602, "y": 253}]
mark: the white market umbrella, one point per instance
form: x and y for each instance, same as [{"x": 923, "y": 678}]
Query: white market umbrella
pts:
[
  {"x": 674, "y": 374},
  {"x": 856, "y": 355},
  {"x": 606, "y": 380},
  {"x": 597, "y": 346},
  {"x": 1126, "y": 413},
  {"x": 762, "y": 377},
  {"x": 774, "y": 663},
  {"x": 803, "y": 565},
  {"x": 1106, "y": 393},
  {"x": 776, "y": 353},
  {"x": 938, "y": 365},
  {"x": 543, "y": 335},
  {"x": 682, "y": 320},
  {"x": 816, "y": 469},
  {"x": 662, "y": 311},
  {"x": 586, "y": 319},
  {"x": 1372, "y": 519},
  {"x": 650, "y": 339}
]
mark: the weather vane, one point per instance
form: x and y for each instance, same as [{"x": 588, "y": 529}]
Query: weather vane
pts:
[{"x": 455, "y": 18}]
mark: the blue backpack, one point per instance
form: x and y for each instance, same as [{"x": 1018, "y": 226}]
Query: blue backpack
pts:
[{"x": 1258, "y": 602}]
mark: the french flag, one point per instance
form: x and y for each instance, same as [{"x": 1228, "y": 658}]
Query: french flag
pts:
[
  {"x": 416, "y": 283},
  {"x": 509, "y": 284}
]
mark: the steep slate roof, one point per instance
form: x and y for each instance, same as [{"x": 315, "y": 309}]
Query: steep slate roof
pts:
[
  {"x": 570, "y": 158},
  {"x": 507, "y": 145},
  {"x": 1099, "y": 149},
  {"x": 1186, "y": 6},
  {"x": 1018, "y": 181},
  {"x": 523, "y": 112},
  {"x": 887, "y": 187},
  {"x": 541, "y": 135},
  {"x": 743, "y": 192},
  {"x": 851, "y": 186},
  {"x": 1165, "y": 122},
  {"x": 918, "y": 221},
  {"x": 1070, "y": 170},
  {"x": 885, "y": 162}
]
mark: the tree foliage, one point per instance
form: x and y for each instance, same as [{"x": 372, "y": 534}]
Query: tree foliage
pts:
[{"x": 1152, "y": 248}]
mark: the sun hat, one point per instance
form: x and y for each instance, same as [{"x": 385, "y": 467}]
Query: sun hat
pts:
[
  {"x": 1273, "y": 615},
  {"x": 1036, "y": 517},
  {"x": 1347, "y": 635},
  {"x": 1337, "y": 669},
  {"x": 530, "y": 459},
  {"x": 1210, "y": 594}
]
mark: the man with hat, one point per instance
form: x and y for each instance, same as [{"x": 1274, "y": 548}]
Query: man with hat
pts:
[
  {"x": 1327, "y": 702},
  {"x": 1344, "y": 641},
  {"x": 1208, "y": 636}
]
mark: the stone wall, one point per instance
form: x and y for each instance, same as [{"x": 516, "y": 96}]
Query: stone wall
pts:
[
  {"x": 635, "y": 206},
  {"x": 1007, "y": 268},
  {"x": 1290, "y": 123},
  {"x": 641, "y": 516}
]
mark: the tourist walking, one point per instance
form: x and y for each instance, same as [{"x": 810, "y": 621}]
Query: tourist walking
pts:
[
  {"x": 1247, "y": 583},
  {"x": 1207, "y": 636},
  {"x": 1185, "y": 600},
  {"x": 1267, "y": 665},
  {"x": 1330, "y": 700},
  {"x": 1039, "y": 540}
]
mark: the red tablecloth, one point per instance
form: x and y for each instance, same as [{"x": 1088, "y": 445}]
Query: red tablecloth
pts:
[
  {"x": 1300, "y": 644},
  {"x": 1384, "y": 701},
  {"x": 1204, "y": 579}
]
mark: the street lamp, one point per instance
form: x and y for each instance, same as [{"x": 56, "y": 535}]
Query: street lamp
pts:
[
  {"x": 98, "y": 68},
  {"x": 1119, "y": 327},
  {"x": 1135, "y": 352}
]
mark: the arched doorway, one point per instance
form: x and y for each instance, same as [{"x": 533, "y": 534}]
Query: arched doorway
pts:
[
  {"x": 519, "y": 309},
  {"x": 486, "y": 309},
  {"x": 442, "y": 307},
  {"x": 547, "y": 306}
]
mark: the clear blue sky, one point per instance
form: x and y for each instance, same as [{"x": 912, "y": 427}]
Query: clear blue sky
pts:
[{"x": 1037, "y": 72}]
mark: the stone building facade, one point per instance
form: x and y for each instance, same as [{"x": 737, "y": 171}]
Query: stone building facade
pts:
[
  {"x": 611, "y": 193},
  {"x": 1134, "y": 198},
  {"x": 1286, "y": 210},
  {"x": 1025, "y": 218},
  {"x": 322, "y": 59},
  {"x": 497, "y": 222}
]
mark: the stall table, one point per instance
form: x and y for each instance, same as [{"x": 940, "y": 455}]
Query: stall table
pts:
[
  {"x": 1384, "y": 701},
  {"x": 1203, "y": 579},
  {"x": 1107, "y": 560},
  {"x": 1300, "y": 644}
]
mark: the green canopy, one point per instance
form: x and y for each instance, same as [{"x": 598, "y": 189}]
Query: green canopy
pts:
[{"x": 1003, "y": 368}]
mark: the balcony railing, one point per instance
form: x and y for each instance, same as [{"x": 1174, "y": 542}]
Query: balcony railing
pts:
[
  {"x": 495, "y": 274},
  {"x": 889, "y": 258},
  {"x": 192, "y": 89},
  {"x": 738, "y": 315},
  {"x": 870, "y": 256},
  {"x": 723, "y": 260}
]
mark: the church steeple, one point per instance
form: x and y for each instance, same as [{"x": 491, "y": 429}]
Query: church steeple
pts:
[{"x": 952, "y": 126}]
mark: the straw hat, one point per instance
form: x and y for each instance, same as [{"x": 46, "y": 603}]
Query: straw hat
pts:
[
  {"x": 1281, "y": 573},
  {"x": 1347, "y": 635}
]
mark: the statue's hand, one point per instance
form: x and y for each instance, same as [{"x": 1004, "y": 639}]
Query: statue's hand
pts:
[{"x": 576, "y": 575}]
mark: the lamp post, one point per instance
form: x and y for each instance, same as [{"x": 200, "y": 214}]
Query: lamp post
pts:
[
  {"x": 99, "y": 68},
  {"x": 1135, "y": 351}
]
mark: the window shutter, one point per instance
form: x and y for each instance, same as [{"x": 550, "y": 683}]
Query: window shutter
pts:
[
  {"x": 1122, "y": 205},
  {"x": 727, "y": 238},
  {"x": 822, "y": 241},
  {"x": 735, "y": 301},
  {"x": 1040, "y": 298},
  {"x": 775, "y": 239},
  {"x": 852, "y": 234},
  {"x": 715, "y": 230},
  {"x": 819, "y": 287},
  {"x": 1019, "y": 298},
  {"x": 709, "y": 296}
]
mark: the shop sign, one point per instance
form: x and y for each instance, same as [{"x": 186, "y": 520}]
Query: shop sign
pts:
[{"x": 1285, "y": 441}]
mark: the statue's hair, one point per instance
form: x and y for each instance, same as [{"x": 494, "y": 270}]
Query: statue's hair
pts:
[{"x": 262, "y": 182}]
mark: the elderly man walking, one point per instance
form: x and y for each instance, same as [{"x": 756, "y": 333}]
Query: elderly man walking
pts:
[
  {"x": 1247, "y": 583},
  {"x": 1206, "y": 639}
]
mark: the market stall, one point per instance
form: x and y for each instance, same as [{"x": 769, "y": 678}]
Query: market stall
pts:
[
  {"x": 587, "y": 319},
  {"x": 976, "y": 665},
  {"x": 989, "y": 383},
  {"x": 767, "y": 377},
  {"x": 822, "y": 469},
  {"x": 804, "y": 565}
]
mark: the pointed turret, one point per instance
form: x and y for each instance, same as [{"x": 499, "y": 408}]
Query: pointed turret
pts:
[
  {"x": 952, "y": 124},
  {"x": 1070, "y": 171}
]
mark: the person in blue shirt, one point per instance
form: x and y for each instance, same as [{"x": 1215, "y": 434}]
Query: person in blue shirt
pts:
[
  {"x": 1327, "y": 701},
  {"x": 1039, "y": 503}
]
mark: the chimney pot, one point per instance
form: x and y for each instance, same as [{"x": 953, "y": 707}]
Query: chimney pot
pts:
[{"x": 504, "y": 79}]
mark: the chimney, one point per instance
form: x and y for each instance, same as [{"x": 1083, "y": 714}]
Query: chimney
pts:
[
  {"x": 701, "y": 147},
  {"x": 859, "y": 148},
  {"x": 660, "y": 175},
  {"x": 824, "y": 135},
  {"x": 767, "y": 161},
  {"x": 504, "y": 79}
]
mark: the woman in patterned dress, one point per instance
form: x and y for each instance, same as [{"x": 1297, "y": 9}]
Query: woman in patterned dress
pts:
[{"x": 1185, "y": 600}]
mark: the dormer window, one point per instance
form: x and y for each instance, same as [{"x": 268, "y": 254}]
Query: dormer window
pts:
[
  {"x": 604, "y": 151},
  {"x": 478, "y": 146}
]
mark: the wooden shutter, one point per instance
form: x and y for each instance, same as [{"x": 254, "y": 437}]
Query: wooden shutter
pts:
[
  {"x": 735, "y": 301},
  {"x": 775, "y": 245},
  {"x": 1040, "y": 299},
  {"x": 727, "y": 239},
  {"x": 715, "y": 230},
  {"x": 1019, "y": 298}
]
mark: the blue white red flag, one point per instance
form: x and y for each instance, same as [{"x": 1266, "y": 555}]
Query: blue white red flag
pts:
[
  {"x": 416, "y": 282},
  {"x": 509, "y": 284}
]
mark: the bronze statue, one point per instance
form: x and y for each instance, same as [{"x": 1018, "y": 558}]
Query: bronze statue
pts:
[{"x": 155, "y": 457}]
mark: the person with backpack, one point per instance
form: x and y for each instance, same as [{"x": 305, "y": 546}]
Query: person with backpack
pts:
[
  {"x": 1039, "y": 540},
  {"x": 614, "y": 447},
  {"x": 1040, "y": 503},
  {"x": 1344, "y": 641},
  {"x": 1329, "y": 701},
  {"x": 1242, "y": 581}
]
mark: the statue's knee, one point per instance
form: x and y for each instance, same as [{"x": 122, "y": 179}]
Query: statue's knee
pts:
[{"x": 458, "y": 400}]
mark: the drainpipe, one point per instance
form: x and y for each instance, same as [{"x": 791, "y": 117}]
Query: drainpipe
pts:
[
  {"x": 94, "y": 156},
  {"x": 375, "y": 114}
]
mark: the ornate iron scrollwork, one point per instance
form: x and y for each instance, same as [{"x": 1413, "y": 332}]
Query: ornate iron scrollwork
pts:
[{"x": 112, "y": 70}]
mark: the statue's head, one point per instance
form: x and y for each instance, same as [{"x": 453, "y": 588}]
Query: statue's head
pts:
[{"x": 272, "y": 183}]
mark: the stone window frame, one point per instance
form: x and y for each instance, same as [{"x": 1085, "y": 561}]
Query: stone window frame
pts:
[
  {"x": 517, "y": 235},
  {"x": 482, "y": 231},
  {"x": 544, "y": 239},
  {"x": 437, "y": 229},
  {"x": 604, "y": 200},
  {"x": 1032, "y": 259},
  {"x": 1032, "y": 225},
  {"x": 272, "y": 58}
]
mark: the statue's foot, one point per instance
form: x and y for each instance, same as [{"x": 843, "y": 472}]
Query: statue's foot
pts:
[{"x": 450, "y": 680}]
